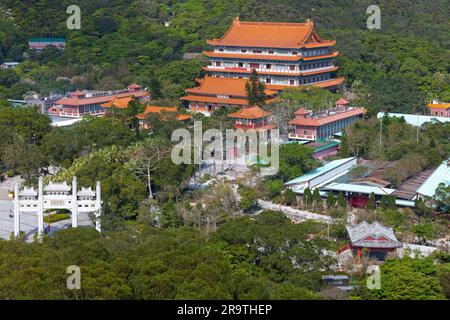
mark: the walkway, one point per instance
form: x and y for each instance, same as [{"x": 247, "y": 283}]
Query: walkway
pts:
[{"x": 294, "y": 214}]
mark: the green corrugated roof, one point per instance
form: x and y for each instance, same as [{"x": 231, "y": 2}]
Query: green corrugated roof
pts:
[
  {"x": 46, "y": 40},
  {"x": 326, "y": 146}
]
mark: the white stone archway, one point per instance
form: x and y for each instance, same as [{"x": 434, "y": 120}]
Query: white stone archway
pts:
[{"x": 56, "y": 196}]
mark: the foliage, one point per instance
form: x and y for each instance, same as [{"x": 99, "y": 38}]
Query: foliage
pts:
[
  {"x": 56, "y": 217},
  {"x": 317, "y": 199},
  {"x": 307, "y": 198},
  {"x": 331, "y": 200},
  {"x": 255, "y": 90},
  {"x": 273, "y": 187},
  {"x": 295, "y": 160},
  {"x": 248, "y": 197},
  {"x": 409, "y": 279},
  {"x": 442, "y": 197},
  {"x": 149, "y": 263},
  {"x": 371, "y": 204},
  {"x": 342, "y": 203}
]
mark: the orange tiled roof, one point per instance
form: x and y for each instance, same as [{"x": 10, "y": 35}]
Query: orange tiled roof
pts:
[
  {"x": 212, "y": 54},
  {"x": 327, "y": 43},
  {"x": 77, "y": 93},
  {"x": 223, "y": 86},
  {"x": 231, "y": 101},
  {"x": 323, "y": 84},
  {"x": 117, "y": 103},
  {"x": 134, "y": 86},
  {"x": 302, "y": 111},
  {"x": 75, "y": 101},
  {"x": 270, "y": 35},
  {"x": 312, "y": 122},
  {"x": 441, "y": 105},
  {"x": 325, "y": 56},
  {"x": 342, "y": 101},
  {"x": 158, "y": 109},
  {"x": 329, "y": 83},
  {"x": 253, "y": 112}
]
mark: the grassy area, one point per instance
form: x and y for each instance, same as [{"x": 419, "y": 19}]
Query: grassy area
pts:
[{"x": 56, "y": 217}]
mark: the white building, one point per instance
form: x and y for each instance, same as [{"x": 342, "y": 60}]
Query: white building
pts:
[{"x": 56, "y": 196}]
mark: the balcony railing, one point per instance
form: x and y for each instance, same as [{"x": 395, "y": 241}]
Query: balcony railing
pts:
[
  {"x": 308, "y": 137},
  {"x": 262, "y": 70}
]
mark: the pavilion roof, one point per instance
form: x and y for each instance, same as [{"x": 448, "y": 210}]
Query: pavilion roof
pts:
[
  {"x": 372, "y": 235},
  {"x": 134, "y": 86},
  {"x": 271, "y": 35},
  {"x": 301, "y": 111},
  {"x": 342, "y": 101},
  {"x": 77, "y": 93},
  {"x": 253, "y": 112}
]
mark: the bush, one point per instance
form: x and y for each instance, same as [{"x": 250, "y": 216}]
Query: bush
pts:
[{"x": 56, "y": 217}]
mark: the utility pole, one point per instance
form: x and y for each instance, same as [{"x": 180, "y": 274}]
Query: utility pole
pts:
[
  {"x": 417, "y": 125},
  {"x": 381, "y": 131}
]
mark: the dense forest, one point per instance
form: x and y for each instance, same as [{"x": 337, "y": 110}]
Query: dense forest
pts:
[
  {"x": 396, "y": 68},
  {"x": 163, "y": 241},
  {"x": 149, "y": 263}
]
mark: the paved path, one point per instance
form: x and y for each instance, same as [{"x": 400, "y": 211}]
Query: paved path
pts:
[
  {"x": 295, "y": 214},
  {"x": 8, "y": 185}
]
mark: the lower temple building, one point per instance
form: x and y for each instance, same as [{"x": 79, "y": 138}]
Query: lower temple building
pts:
[
  {"x": 213, "y": 93},
  {"x": 321, "y": 125},
  {"x": 375, "y": 239},
  {"x": 252, "y": 118}
]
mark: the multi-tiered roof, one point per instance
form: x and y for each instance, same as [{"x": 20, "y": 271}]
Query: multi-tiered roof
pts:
[{"x": 283, "y": 55}]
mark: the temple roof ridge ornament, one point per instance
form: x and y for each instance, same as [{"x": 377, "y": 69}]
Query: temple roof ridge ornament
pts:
[
  {"x": 57, "y": 187},
  {"x": 28, "y": 192},
  {"x": 86, "y": 192},
  {"x": 372, "y": 235}
]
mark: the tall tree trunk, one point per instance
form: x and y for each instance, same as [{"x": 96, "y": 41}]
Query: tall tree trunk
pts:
[{"x": 149, "y": 184}]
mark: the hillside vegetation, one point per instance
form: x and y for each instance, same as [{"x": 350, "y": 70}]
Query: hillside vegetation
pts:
[{"x": 396, "y": 68}]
